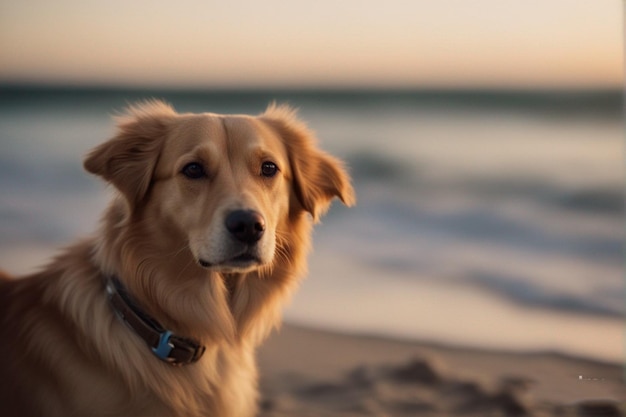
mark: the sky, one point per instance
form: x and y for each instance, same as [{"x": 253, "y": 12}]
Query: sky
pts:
[{"x": 321, "y": 43}]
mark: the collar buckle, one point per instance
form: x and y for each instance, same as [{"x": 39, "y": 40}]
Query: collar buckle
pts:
[{"x": 164, "y": 348}]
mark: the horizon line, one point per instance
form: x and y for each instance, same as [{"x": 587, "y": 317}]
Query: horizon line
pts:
[{"x": 307, "y": 88}]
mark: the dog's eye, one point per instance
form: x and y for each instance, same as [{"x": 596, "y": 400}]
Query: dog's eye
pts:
[
  {"x": 193, "y": 171},
  {"x": 268, "y": 169}
]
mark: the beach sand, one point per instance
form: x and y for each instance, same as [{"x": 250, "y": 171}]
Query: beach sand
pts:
[{"x": 306, "y": 372}]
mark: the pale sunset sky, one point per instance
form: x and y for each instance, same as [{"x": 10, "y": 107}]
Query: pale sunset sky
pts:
[{"x": 321, "y": 43}]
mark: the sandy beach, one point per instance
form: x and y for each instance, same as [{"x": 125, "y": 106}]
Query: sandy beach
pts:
[{"x": 306, "y": 372}]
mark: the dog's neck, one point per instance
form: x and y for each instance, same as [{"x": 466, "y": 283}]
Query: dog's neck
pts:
[
  {"x": 165, "y": 281},
  {"x": 163, "y": 343}
]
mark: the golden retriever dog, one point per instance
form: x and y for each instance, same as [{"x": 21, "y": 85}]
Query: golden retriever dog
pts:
[{"x": 159, "y": 312}]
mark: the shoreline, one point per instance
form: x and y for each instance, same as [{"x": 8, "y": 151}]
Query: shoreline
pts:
[{"x": 525, "y": 331}]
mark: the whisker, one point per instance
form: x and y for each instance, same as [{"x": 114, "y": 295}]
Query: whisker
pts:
[{"x": 180, "y": 273}]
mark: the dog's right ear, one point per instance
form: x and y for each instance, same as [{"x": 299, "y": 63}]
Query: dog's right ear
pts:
[
  {"x": 128, "y": 160},
  {"x": 317, "y": 176}
]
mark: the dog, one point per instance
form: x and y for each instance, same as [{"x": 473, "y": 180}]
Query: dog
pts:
[{"x": 160, "y": 311}]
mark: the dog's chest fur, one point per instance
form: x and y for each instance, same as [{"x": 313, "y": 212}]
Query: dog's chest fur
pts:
[{"x": 90, "y": 363}]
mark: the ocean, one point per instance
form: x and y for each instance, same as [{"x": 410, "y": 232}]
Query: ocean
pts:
[{"x": 492, "y": 219}]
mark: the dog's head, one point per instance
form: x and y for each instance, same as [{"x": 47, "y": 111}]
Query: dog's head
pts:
[{"x": 227, "y": 186}]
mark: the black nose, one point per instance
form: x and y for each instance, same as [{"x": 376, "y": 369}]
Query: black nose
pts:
[{"x": 246, "y": 226}]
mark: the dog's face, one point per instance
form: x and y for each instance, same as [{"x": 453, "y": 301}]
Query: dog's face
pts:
[
  {"x": 224, "y": 180},
  {"x": 227, "y": 185}
]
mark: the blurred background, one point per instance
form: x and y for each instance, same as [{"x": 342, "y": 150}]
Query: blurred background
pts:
[{"x": 484, "y": 139}]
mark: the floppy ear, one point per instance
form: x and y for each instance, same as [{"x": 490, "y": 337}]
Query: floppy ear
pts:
[
  {"x": 128, "y": 160},
  {"x": 317, "y": 176}
]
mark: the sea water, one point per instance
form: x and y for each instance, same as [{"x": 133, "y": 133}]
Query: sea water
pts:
[{"x": 489, "y": 219}]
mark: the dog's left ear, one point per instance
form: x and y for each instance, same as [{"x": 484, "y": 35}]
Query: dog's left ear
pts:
[
  {"x": 317, "y": 176},
  {"x": 128, "y": 160}
]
